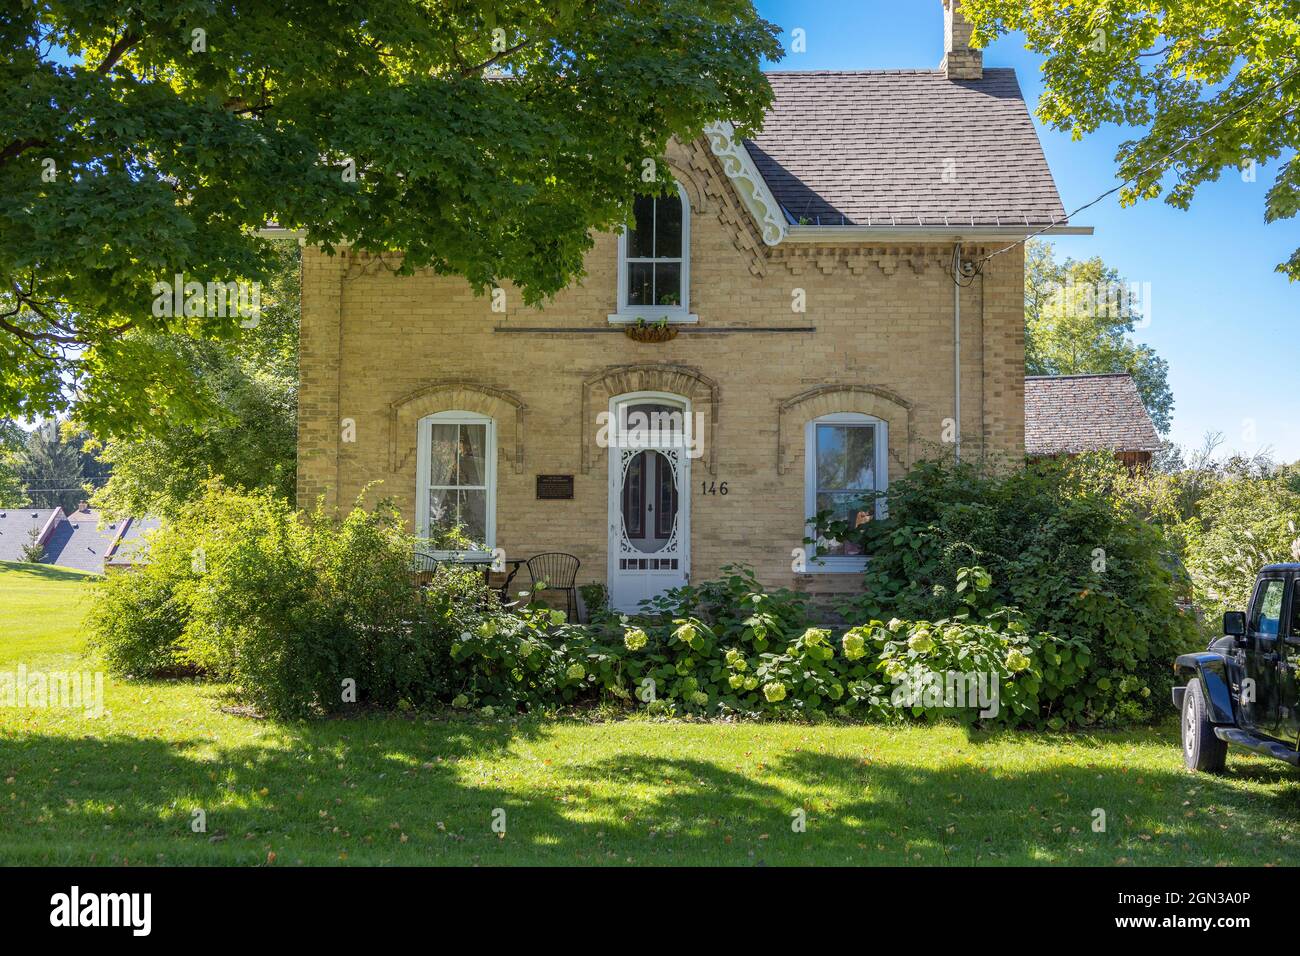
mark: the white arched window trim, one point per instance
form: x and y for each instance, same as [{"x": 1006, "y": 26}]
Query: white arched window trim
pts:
[
  {"x": 424, "y": 448},
  {"x": 832, "y": 564},
  {"x": 654, "y": 313}
]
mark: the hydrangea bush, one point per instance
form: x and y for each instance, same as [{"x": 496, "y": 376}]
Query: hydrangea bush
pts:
[{"x": 301, "y": 616}]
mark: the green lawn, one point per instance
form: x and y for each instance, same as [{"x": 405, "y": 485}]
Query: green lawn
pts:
[{"x": 123, "y": 787}]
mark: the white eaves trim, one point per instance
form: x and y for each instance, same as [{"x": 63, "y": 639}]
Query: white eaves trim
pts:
[
  {"x": 833, "y": 234},
  {"x": 747, "y": 181}
]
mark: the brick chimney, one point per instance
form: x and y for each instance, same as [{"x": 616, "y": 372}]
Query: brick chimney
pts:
[{"x": 960, "y": 60}]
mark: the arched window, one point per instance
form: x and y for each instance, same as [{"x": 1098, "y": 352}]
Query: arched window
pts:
[
  {"x": 846, "y": 463},
  {"x": 654, "y": 267},
  {"x": 456, "y": 480}
]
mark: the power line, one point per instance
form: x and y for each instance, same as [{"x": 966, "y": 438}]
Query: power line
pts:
[{"x": 1159, "y": 162}]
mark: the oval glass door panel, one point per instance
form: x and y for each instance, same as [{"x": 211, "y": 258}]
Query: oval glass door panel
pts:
[{"x": 650, "y": 501}]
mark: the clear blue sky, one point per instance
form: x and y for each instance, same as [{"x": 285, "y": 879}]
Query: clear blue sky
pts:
[{"x": 1220, "y": 315}]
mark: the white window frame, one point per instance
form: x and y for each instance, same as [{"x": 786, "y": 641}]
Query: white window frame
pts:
[
  {"x": 424, "y": 448},
  {"x": 840, "y": 564},
  {"x": 678, "y": 314}
]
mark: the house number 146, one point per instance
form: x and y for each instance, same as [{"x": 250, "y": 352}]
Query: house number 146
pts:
[{"x": 713, "y": 487}]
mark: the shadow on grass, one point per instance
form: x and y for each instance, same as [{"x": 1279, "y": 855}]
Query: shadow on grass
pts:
[
  {"x": 857, "y": 810},
  {"x": 323, "y": 789},
  {"x": 386, "y": 790},
  {"x": 43, "y": 572}
]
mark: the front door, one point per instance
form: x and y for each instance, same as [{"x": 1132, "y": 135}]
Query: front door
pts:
[
  {"x": 1263, "y": 643},
  {"x": 649, "y": 497}
]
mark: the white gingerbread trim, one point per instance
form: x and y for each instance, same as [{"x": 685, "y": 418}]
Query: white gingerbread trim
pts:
[{"x": 747, "y": 180}]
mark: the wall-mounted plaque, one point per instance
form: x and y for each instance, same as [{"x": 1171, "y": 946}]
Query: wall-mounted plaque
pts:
[{"x": 554, "y": 486}]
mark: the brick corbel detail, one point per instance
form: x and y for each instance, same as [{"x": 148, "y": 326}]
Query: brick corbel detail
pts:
[{"x": 715, "y": 186}]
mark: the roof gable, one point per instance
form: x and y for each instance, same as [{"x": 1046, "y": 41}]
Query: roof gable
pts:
[
  {"x": 1066, "y": 414},
  {"x": 903, "y": 148}
]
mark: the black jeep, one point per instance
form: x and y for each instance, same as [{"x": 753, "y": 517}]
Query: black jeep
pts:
[{"x": 1242, "y": 690}]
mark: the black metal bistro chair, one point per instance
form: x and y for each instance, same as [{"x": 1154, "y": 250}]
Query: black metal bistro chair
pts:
[
  {"x": 559, "y": 572},
  {"x": 425, "y": 567}
]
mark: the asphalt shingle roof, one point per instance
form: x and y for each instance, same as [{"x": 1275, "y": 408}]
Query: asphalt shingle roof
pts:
[
  {"x": 130, "y": 547},
  {"x": 78, "y": 543},
  {"x": 75, "y": 540},
  {"x": 904, "y": 147},
  {"x": 15, "y": 527},
  {"x": 1065, "y": 414}
]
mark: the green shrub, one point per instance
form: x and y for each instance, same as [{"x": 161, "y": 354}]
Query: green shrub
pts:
[
  {"x": 718, "y": 647},
  {"x": 136, "y": 616},
  {"x": 595, "y": 598},
  {"x": 755, "y": 655},
  {"x": 309, "y": 616},
  {"x": 300, "y": 616},
  {"x": 524, "y": 659},
  {"x": 1245, "y": 522},
  {"x": 1065, "y": 548}
]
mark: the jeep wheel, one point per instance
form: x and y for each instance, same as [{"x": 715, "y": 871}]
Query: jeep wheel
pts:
[{"x": 1201, "y": 749}]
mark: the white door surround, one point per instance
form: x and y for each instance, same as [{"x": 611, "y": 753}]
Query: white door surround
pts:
[{"x": 649, "y": 496}]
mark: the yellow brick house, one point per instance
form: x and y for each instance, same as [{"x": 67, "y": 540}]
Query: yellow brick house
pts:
[{"x": 844, "y": 293}]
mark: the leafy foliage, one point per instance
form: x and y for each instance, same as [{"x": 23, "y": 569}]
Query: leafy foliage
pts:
[
  {"x": 1063, "y": 546},
  {"x": 524, "y": 659},
  {"x": 486, "y": 138},
  {"x": 54, "y": 468},
  {"x": 1245, "y": 522},
  {"x": 1079, "y": 318},
  {"x": 243, "y": 430},
  {"x": 301, "y": 616},
  {"x": 12, "y": 441},
  {"x": 294, "y": 612},
  {"x": 1221, "y": 76},
  {"x": 136, "y": 617}
]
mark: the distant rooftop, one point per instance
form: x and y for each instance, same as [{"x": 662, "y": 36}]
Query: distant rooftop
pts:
[
  {"x": 72, "y": 540},
  {"x": 1068, "y": 414}
]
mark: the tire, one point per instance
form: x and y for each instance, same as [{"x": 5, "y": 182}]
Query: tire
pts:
[{"x": 1202, "y": 750}]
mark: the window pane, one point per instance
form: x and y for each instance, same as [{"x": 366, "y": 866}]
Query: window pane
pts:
[
  {"x": 666, "y": 493},
  {"x": 649, "y": 422},
  {"x": 668, "y": 283},
  {"x": 1269, "y": 611},
  {"x": 640, "y": 283},
  {"x": 633, "y": 503},
  {"x": 846, "y": 457},
  {"x": 442, "y": 455},
  {"x": 844, "y": 506},
  {"x": 1295, "y": 609},
  {"x": 442, "y": 512},
  {"x": 668, "y": 228},
  {"x": 473, "y": 515},
  {"x": 640, "y": 237},
  {"x": 473, "y": 464}
]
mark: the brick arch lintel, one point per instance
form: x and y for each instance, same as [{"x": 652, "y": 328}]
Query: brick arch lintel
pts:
[
  {"x": 504, "y": 407},
  {"x": 689, "y": 181},
  {"x": 873, "y": 400},
  {"x": 680, "y": 380}
]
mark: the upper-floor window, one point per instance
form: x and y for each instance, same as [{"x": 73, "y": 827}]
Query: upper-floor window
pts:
[{"x": 654, "y": 261}]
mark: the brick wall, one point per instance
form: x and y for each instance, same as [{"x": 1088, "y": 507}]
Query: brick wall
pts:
[{"x": 382, "y": 351}]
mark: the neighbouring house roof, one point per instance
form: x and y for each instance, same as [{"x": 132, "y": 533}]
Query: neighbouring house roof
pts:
[
  {"x": 78, "y": 542},
  {"x": 1066, "y": 414},
  {"x": 904, "y": 148},
  {"x": 128, "y": 549},
  {"x": 72, "y": 540},
  {"x": 16, "y": 525}
]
